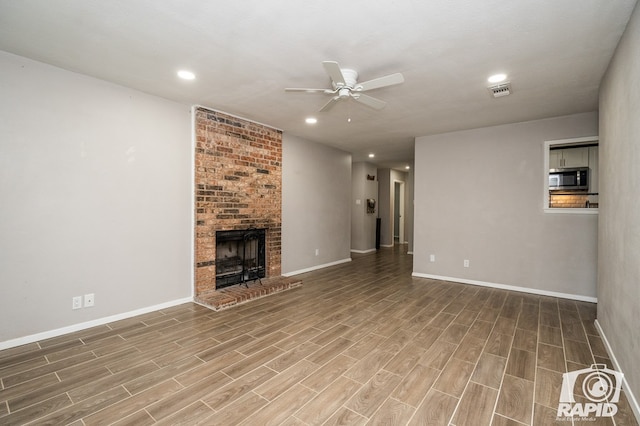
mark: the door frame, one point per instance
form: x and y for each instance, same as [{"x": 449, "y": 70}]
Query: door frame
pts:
[{"x": 401, "y": 224}]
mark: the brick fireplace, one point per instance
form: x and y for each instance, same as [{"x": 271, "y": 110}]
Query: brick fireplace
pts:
[{"x": 238, "y": 184}]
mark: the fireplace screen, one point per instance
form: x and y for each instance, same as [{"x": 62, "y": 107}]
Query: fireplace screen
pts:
[{"x": 240, "y": 256}]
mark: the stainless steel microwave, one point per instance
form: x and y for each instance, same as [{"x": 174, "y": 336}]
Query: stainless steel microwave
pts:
[{"x": 569, "y": 179}]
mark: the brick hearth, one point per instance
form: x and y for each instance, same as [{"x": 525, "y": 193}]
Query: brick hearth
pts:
[
  {"x": 235, "y": 295},
  {"x": 238, "y": 184}
]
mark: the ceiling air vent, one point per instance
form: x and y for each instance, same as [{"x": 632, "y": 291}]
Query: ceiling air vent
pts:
[{"x": 500, "y": 90}]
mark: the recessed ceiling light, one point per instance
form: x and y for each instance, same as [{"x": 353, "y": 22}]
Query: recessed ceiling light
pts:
[
  {"x": 407, "y": 167},
  {"x": 497, "y": 78},
  {"x": 372, "y": 155},
  {"x": 311, "y": 120},
  {"x": 186, "y": 75}
]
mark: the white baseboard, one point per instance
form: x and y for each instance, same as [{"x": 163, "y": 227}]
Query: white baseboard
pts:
[
  {"x": 409, "y": 252},
  {"x": 88, "y": 324},
  {"x": 633, "y": 402},
  {"x": 510, "y": 287},
  {"x": 363, "y": 251},
  {"x": 386, "y": 245},
  {"x": 314, "y": 268}
]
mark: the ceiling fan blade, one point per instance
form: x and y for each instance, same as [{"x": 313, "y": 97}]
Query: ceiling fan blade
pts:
[
  {"x": 297, "y": 89},
  {"x": 330, "y": 104},
  {"x": 369, "y": 101},
  {"x": 333, "y": 69},
  {"x": 376, "y": 83}
]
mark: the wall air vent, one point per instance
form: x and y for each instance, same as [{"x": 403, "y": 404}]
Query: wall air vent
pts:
[{"x": 500, "y": 90}]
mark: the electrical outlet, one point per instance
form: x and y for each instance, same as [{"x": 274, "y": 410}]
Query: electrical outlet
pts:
[
  {"x": 88, "y": 300},
  {"x": 432, "y": 258},
  {"x": 317, "y": 252},
  {"x": 466, "y": 263},
  {"x": 76, "y": 302}
]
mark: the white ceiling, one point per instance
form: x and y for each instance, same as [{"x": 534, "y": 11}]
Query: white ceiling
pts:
[{"x": 246, "y": 52}]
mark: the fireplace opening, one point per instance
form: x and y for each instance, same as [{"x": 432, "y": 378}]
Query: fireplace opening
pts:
[{"x": 240, "y": 256}]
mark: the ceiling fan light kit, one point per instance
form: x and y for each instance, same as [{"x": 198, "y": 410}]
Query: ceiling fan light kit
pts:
[{"x": 344, "y": 82}]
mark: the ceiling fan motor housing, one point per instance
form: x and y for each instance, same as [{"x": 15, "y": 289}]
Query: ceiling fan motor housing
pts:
[{"x": 350, "y": 78}]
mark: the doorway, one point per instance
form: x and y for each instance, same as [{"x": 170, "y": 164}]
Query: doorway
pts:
[{"x": 398, "y": 212}]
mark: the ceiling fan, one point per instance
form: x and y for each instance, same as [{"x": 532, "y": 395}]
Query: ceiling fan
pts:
[{"x": 345, "y": 85}]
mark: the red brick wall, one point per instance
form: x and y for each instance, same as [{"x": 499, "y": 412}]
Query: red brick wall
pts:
[
  {"x": 238, "y": 184},
  {"x": 568, "y": 201}
]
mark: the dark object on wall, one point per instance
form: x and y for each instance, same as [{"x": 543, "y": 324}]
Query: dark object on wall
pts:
[
  {"x": 371, "y": 177},
  {"x": 371, "y": 205},
  {"x": 378, "y": 221}
]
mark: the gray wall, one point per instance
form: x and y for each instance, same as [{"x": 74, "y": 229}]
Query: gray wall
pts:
[
  {"x": 410, "y": 209},
  {"x": 478, "y": 196},
  {"x": 96, "y": 198},
  {"x": 316, "y": 205},
  {"x": 619, "y": 227},
  {"x": 384, "y": 207},
  {"x": 363, "y": 224}
]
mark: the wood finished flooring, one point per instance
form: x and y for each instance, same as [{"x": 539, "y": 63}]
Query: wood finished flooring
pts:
[{"x": 361, "y": 343}]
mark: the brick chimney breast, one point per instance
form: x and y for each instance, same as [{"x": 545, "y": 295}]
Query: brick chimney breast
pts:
[{"x": 238, "y": 185}]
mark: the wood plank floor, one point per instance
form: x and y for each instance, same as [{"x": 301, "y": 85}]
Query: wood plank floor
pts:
[{"x": 359, "y": 343}]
